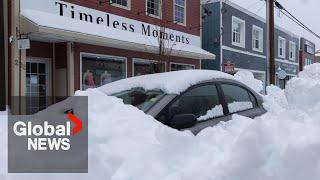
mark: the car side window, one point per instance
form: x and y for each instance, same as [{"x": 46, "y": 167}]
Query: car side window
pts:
[
  {"x": 202, "y": 101},
  {"x": 237, "y": 98}
]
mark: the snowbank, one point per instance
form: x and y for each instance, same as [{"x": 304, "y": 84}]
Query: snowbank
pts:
[
  {"x": 275, "y": 100},
  {"x": 247, "y": 78},
  {"x": 280, "y": 145},
  {"x": 303, "y": 91}
]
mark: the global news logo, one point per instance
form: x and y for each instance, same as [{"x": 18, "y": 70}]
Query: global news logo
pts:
[
  {"x": 46, "y": 136},
  {"x": 54, "y": 140}
]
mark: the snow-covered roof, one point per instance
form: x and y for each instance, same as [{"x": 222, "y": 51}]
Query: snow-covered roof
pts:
[
  {"x": 64, "y": 28},
  {"x": 170, "y": 82}
]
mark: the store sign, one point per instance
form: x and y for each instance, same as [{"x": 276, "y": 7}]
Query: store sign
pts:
[
  {"x": 287, "y": 68},
  {"x": 93, "y": 16},
  {"x": 23, "y": 44},
  {"x": 228, "y": 68},
  {"x": 282, "y": 74}
]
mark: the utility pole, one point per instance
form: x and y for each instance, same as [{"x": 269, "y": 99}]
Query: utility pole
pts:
[
  {"x": 2, "y": 60},
  {"x": 270, "y": 37}
]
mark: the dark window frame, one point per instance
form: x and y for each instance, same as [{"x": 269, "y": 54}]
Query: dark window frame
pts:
[
  {"x": 220, "y": 98},
  {"x": 250, "y": 93}
]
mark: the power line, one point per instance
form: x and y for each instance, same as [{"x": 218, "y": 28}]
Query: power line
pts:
[{"x": 294, "y": 19}]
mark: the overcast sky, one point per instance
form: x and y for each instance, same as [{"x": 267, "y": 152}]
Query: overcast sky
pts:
[{"x": 308, "y": 11}]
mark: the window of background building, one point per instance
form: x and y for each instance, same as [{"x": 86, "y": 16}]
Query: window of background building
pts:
[
  {"x": 179, "y": 67},
  {"x": 121, "y": 3},
  {"x": 154, "y": 8},
  {"x": 180, "y": 11},
  {"x": 257, "y": 38},
  {"x": 98, "y": 71},
  {"x": 143, "y": 67},
  {"x": 309, "y": 48},
  {"x": 307, "y": 61},
  {"x": 282, "y": 47},
  {"x": 238, "y": 32},
  {"x": 292, "y": 51}
]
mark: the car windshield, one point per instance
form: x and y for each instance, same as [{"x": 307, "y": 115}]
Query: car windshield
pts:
[{"x": 140, "y": 98}]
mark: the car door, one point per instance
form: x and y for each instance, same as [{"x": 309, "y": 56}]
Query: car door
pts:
[
  {"x": 203, "y": 101},
  {"x": 239, "y": 100}
]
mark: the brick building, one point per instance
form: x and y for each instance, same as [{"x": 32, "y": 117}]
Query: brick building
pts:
[
  {"x": 79, "y": 44},
  {"x": 317, "y": 59},
  {"x": 307, "y": 53}
]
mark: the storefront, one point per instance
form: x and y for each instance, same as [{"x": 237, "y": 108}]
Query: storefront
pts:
[
  {"x": 76, "y": 46},
  {"x": 100, "y": 70}
]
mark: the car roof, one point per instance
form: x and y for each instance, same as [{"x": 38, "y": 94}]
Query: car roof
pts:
[{"x": 174, "y": 82}]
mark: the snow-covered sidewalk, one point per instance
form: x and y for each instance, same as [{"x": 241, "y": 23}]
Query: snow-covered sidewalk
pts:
[{"x": 283, "y": 144}]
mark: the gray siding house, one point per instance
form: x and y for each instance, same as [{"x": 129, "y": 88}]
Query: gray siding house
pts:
[{"x": 238, "y": 36}]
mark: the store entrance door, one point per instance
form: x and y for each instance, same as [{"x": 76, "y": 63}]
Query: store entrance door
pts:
[{"x": 37, "y": 84}]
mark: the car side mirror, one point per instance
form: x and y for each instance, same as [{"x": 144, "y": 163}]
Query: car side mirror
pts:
[{"x": 182, "y": 121}]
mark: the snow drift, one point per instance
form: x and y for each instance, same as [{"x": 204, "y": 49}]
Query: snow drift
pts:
[
  {"x": 282, "y": 144},
  {"x": 247, "y": 78}
]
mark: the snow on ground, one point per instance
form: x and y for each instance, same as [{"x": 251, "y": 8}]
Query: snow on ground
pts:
[{"x": 124, "y": 143}]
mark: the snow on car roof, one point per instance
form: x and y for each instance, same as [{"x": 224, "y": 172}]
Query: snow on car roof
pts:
[{"x": 169, "y": 82}]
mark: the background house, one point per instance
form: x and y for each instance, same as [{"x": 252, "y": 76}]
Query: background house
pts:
[
  {"x": 307, "y": 53},
  {"x": 238, "y": 36},
  {"x": 317, "y": 58}
]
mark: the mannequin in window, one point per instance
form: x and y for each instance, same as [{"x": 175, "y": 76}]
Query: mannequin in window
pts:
[
  {"x": 105, "y": 78},
  {"x": 88, "y": 79}
]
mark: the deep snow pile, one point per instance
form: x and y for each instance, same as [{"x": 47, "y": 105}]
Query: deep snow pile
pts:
[
  {"x": 124, "y": 143},
  {"x": 246, "y": 77}
]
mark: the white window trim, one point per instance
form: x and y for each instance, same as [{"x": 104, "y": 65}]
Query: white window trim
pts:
[
  {"x": 194, "y": 66},
  {"x": 242, "y": 40},
  {"x": 291, "y": 43},
  {"x": 120, "y": 58},
  {"x": 185, "y": 13},
  {"x": 147, "y": 61},
  {"x": 284, "y": 49},
  {"x": 128, "y": 7},
  {"x": 152, "y": 15},
  {"x": 260, "y": 49},
  {"x": 46, "y": 61}
]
